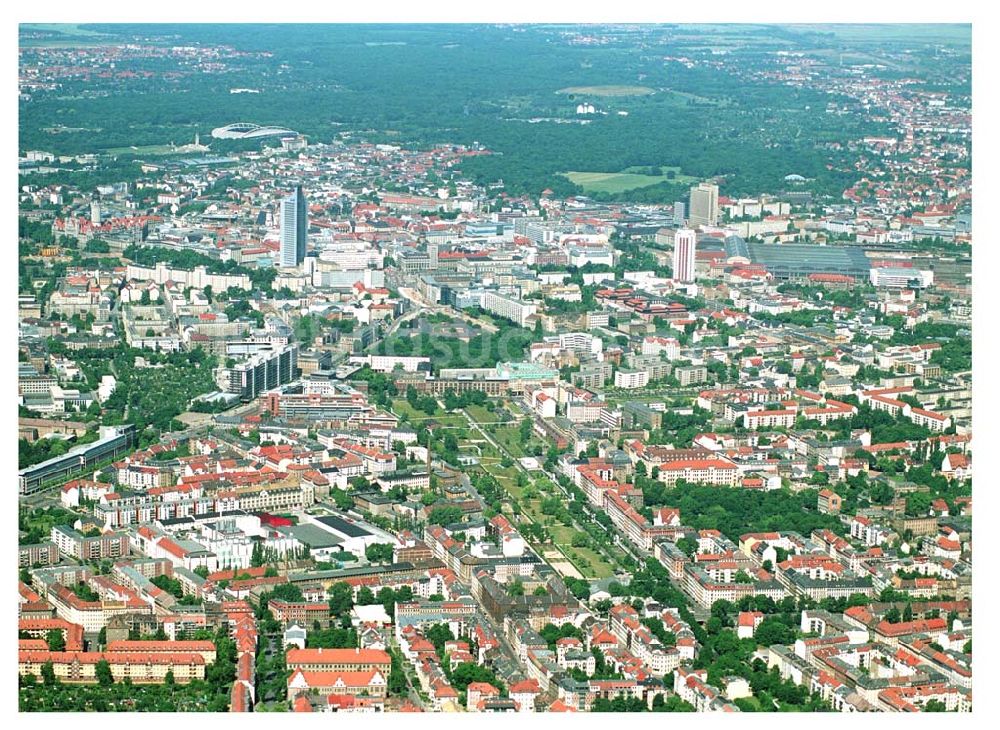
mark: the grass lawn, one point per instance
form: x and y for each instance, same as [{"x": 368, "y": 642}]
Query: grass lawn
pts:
[
  {"x": 608, "y": 90},
  {"x": 452, "y": 420},
  {"x": 73, "y": 29},
  {"x": 507, "y": 477},
  {"x": 60, "y": 43},
  {"x": 510, "y": 438},
  {"x": 152, "y": 149},
  {"x": 488, "y": 451},
  {"x": 598, "y": 568},
  {"x": 562, "y": 535},
  {"x": 562, "y": 538},
  {"x": 401, "y": 407},
  {"x": 510, "y": 486},
  {"x": 617, "y": 182},
  {"x": 681, "y": 98},
  {"x": 70, "y": 35},
  {"x": 480, "y": 414},
  {"x": 534, "y": 508},
  {"x": 957, "y": 33}
]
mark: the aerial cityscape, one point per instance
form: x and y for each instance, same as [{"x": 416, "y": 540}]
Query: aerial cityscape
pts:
[{"x": 519, "y": 368}]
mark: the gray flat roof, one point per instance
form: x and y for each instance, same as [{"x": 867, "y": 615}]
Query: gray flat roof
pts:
[
  {"x": 351, "y": 529},
  {"x": 313, "y": 536},
  {"x": 809, "y": 258}
]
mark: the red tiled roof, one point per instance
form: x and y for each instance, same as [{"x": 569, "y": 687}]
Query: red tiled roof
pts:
[
  {"x": 525, "y": 686},
  {"x": 336, "y": 656}
]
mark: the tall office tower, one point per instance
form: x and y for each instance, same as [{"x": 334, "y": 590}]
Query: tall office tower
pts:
[
  {"x": 684, "y": 246},
  {"x": 293, "y": 229},
  {"x": 679, "y": 213},
  {"x": 432, "y": 255},
  {"x": 704, "y": 205}
]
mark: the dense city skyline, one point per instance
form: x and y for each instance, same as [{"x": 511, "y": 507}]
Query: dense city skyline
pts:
[{"x": 516, "y": 368}]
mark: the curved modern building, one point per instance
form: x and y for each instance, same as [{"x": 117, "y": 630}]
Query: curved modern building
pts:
[{"x": 247, "y": 130}]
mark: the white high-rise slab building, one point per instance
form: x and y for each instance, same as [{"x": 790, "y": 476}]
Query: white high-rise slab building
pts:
[
  {"x": 684, "y": 248},
  {"x": 704, "y": 205},
  {"x": 293, "y": 229}
]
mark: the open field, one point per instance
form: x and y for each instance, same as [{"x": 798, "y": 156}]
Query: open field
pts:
[
  {"x": 61, "y": 43},
  {"x": 561, "y": 534},
  {"x": 681, "y": 98},
  {"x": 481, "y": 415},
  {"x": 64, "y": 28},
  {"x": 585, "y": 561},
  {"x": 152, "y": 149},
  {"x": 70, "y": 35},
  {"x": 912, "y": 33},
  {"x": 401, "y": 408},
  {"x": 666, "y": 170},
  {"x": 510, "y": 438},
  {"x": 608, "y": 90},
  {"x": 617, "y": 182},
  {"x": 447, "y": 420},
  {"x": 592, "y": 564},
  {"x": 192, "y": 419}
]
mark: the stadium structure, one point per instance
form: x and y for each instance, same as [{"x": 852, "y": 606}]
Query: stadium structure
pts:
[{"x": 247, "y": 130}]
